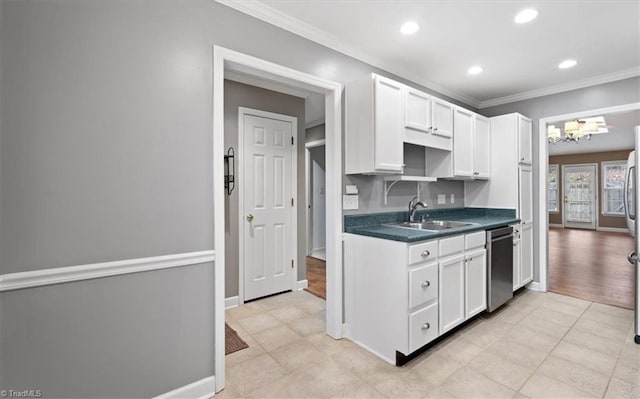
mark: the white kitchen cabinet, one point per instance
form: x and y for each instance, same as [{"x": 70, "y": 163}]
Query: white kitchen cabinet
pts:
[
  {"x": 481, "y": 148},
  {"x": 401, "y": 296},
  {"x": 526, "y": 257},
  {"x": 524, "y": 140},
  {"x": 442, "y": 117},
  {"x": 451, "y": 298},
  {"x": 419, "y": 126},
  {"x": 374, "y": 126},
  {"x": 517, "y": 256},
  {"x": 475, "y": 282},
  {"x": 417, "y": 111},
  {"x": 463, "y": 126}
]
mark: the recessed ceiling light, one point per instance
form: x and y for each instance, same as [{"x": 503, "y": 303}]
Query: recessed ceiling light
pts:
[
  {"x": 525, "y": 16},
  {"x": 567, "y": 64},
  {"x": 409, "y": 28},
  {"x": 474, "y": 70}
]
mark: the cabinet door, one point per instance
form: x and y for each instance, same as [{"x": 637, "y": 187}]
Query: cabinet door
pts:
[
  {"x": 524, "y": 140},
  {"x": 388, "y": 155},
  {"x": 423, "y": 327},
  {"x": 451, "y": 296},
  {"x": 417, "y": 111},
  {"x": 463, "y": 143},
  {"x": 517, "y": 256},
  {"x": 482, "y": 148},
  {"x": 442, "y": 117},
  {"x": 526, "y": 249},
  {"x": 475, "y": 282},
  {"x": 525, "y": 194}
]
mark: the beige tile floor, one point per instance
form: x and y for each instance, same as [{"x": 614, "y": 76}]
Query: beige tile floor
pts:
[{"x": 538, "y": 346}]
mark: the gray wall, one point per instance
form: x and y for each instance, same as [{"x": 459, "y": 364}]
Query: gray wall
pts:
[
  {"x": 606, "y": 95},
  {"x": 134, "y": 336},
  {"x": 241, "y": 95},
  {"x": 106, "y": 154}
]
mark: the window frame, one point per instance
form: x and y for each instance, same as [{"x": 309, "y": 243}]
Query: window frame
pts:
[
  {"x": 557, "y": 168},
  {"x": 603, "y": 189}
]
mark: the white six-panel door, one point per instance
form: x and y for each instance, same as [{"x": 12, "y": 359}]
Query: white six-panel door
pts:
[{"x": 267, "y": 202}]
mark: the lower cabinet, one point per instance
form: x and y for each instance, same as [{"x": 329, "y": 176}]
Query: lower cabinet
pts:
[
  {"x": 522, "y": 255},
  {"x": 399, "y": 296}
]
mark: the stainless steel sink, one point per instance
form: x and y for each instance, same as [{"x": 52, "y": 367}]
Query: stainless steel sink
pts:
[{"x": 432, "y": 225}]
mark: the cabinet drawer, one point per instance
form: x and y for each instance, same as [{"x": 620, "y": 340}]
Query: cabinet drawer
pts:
[
  {"x": 451, "y": 245},
  {"x": 423, "y": 285},
  {"x": 423, "y": 327},
  {"x": 475, "y": 240},
  {"x": 427, "y": 251}
]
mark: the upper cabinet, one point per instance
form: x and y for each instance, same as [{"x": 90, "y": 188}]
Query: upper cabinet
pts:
[
  {"x": 374, "y": 121},
  {"x": 463, "y": 143},
  {"x": 524, "y": 140},
  {"x": 428, "y": 120},
  {"x": 482, "y": 148}
]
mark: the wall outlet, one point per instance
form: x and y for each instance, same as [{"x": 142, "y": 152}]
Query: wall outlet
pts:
[
  {"x": 442, "y": 199},
  {"x": 453, "y": 198},
  {"x": 349, "y": 202}
]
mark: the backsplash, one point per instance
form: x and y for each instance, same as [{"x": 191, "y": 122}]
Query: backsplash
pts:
[{"x": 371, "y": 194}]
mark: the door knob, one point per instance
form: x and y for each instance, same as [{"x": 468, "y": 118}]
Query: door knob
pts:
[
  {"x": 250, "y": 217},
  {"x": 632, "y": 257}
]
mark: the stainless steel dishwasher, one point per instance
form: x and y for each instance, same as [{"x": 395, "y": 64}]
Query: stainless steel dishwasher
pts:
[{"x": 499, "y": 267}]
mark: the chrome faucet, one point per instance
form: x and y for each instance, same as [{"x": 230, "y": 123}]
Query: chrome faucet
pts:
[{"x": 413, "y": 205}]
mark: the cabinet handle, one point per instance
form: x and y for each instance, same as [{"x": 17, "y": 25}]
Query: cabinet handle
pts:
[
  {"x": 514, "y": 244},
  {"x": 522, "y": 159},
  {"x": 435, "y": 129},
  {"x": 426, "y": 326},
  {"x": 425, "y": 284},
  {"x": 425, "y": 253},
  {"x": 469, "y": 260}
]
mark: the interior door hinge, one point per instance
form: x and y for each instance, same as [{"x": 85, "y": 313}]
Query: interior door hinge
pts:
[
  {"x": 291, "y": 201},
  {"x": 291, "y": 140},
  {"x": 292, "y": 263}
]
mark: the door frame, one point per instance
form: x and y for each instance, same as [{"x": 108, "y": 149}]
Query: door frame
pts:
[
  {"x": 308, "y": 188},
  {"x": 597, "y": 197},
  {"x": 542, "y": 223},
  {"x": 242, "y": 111},
  {"x": 230, "y": 61}
]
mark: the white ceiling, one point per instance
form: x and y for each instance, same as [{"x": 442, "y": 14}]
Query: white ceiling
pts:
[
  {"x": 520, "y": 61},
  {"x": 620, "y": 136}
]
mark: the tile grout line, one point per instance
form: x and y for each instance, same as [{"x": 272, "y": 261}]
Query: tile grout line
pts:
[{"x": 552, "y": 349}]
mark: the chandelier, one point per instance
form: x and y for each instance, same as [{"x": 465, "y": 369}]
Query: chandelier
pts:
[{"x": 573, "y": 131}]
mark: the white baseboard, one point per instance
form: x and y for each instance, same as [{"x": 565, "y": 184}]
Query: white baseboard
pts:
[
  {"x": 202, "y": 389},
  {"x": 557, "y": 226},
  {"x": 533, "y": 286},
  {"x": 302, "y": 284},
  {"x": 613, "y": 229},
  {"x": 232, "y": 302}
]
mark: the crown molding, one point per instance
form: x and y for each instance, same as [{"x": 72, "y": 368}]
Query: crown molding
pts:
[
  {"x": 578, "y": 84},
  {"x": 272, "y": 16}
]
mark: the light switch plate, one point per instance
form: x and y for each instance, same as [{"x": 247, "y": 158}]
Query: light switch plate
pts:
[
  {"x": 349, "y": 202},
  {"x": 453, "y": 198},
  {"x": 442, "y": 199},
  {"x": 351, "y": 189}
]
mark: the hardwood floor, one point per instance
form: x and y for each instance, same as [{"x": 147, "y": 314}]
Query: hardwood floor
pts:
[
  {"x": 591, "y": 265},
  {"x": 317, "y": 277}
]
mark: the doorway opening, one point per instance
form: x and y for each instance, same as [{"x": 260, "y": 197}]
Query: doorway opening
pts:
[
  {"x": 261, "y": 73},
  {"x": 588, "y": 240}
]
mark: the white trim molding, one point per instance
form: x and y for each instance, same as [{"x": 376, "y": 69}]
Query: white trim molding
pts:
[
  {"x": 315, "y": 143},
  {"x": 317, "y": 122},
  {"x": 231, "y": 302},
  {"x": 302, "y": 284},
  {"x": 58, "y": 275},
  {"x": 578, "y": 84},
  {"x": 201, "y": 389}
]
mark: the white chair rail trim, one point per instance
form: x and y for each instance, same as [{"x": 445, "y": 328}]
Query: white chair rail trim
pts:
[{"x": 36, "y": 278}]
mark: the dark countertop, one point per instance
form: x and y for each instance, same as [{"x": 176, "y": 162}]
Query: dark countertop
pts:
[{"x": 374, "y": 225}]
